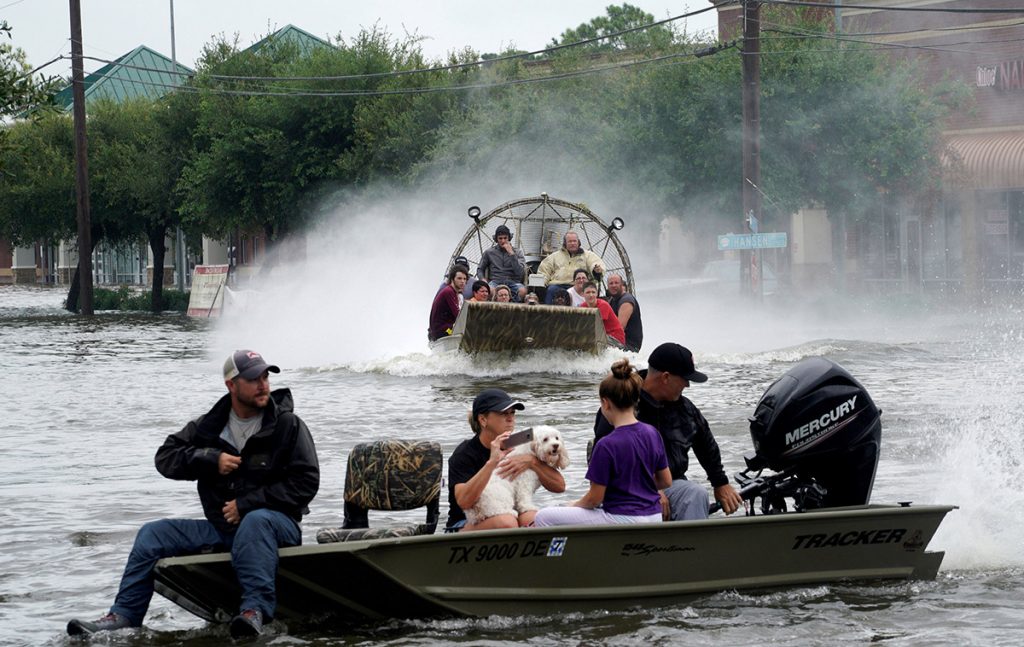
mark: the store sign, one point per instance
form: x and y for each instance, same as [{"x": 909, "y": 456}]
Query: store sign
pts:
[
  {"x": 1008, "y": 75},
  {"x": 207, "y": 295},
  {"x": 986, "y": 76}
]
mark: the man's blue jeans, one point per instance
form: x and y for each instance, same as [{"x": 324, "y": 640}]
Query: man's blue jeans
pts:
[{"x": 253, "y": 554}]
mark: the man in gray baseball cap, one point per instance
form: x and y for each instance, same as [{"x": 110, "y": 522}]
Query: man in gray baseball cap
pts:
[
  {"x": 248, "y": 364},
  {"x": 256, "y": 471},
  {"x": 671, "y": 369}
]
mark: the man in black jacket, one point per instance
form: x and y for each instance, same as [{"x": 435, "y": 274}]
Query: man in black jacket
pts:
[
  {"x": 682, "y": 426},
  {"x": 256, "y": 471}
]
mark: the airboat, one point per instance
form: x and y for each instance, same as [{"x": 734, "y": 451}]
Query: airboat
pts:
[
  {"x": 809, "y": 521},
  {"x": 538, "y": 227}
]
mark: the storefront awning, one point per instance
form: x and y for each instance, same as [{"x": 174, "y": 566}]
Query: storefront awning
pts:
[{"x": 988, "y": 161}]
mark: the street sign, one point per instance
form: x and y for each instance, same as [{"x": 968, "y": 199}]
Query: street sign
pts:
[{"x": 772, "y": 240}]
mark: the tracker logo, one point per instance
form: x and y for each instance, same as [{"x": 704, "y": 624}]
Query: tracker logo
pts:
[
  {"x": 851, "y": 538},
  {"x": 825, "y": 422}
]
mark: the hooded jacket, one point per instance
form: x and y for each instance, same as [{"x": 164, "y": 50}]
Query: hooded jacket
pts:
[
  {"x": 279, "y": 468},
  {"x": 559, "y": 266}
]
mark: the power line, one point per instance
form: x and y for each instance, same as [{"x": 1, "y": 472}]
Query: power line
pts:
[
  {"x": 844, "y": 38},
  {"x": 439, "y": 68},
  {"x": 48, "y": 63},
  {"x": 509, "y": 57},
  {"x": 660, "y": 61},
  {"x": 668, "y": 59},
  {"x": 398, "y": 73},
  {"x": 905, "y": 32},
  {"x": 821, "y": 5}
]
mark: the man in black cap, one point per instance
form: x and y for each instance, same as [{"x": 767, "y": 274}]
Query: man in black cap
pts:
[
  {"x": 257, "y": 471},
  {"x": 503, "y": 264},
  {"x": 470, "y": 466},
  {"x": 682, "y": 426}
]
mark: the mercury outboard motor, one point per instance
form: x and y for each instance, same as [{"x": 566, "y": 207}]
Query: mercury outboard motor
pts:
[{"x": 817, "y": 428}]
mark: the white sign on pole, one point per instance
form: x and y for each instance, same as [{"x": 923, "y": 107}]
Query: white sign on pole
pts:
[{"x": 208, "y": 285}]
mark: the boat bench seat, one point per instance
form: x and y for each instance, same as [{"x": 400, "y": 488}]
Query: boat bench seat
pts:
[{"x": 389, "y": 475}]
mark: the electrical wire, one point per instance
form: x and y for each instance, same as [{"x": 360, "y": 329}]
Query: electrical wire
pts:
[
  {"x": 845, "y": 38},
  {"x": 821, "y": 5},
  {"x": 668, "y": 59},
  {"x": 48, "y": 63},
  {"x": 906, "y": 32},
  {"x": 440, "y": 68}
]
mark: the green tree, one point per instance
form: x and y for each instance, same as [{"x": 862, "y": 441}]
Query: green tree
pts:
[
  {"x": 265, "y": 158},
  {"x": 839, "y": 125},
  {"x": 617, "y": 18},
  {"x": 37, "y": 186},
  {"x": 140, "y": 149},
  {"x": 260, "y": 157},
  {"x": 37, "y": 190},
  {"x": 19, "y": 89}
]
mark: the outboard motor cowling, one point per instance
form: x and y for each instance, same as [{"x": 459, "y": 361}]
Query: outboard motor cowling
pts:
[{"x": 818, "y": 426}]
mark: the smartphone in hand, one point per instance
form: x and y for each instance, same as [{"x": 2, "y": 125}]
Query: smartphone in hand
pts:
[{"x": 518, "y": 438}]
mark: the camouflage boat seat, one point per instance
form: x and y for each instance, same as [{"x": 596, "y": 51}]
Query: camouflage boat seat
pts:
[{"x": 389, "y": 475}]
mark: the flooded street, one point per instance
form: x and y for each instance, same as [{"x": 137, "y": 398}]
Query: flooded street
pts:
[{"x": 88, "y": 401}]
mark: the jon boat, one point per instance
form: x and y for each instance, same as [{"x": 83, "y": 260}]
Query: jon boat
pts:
[
  {"x": 538, "y": 225},
  {"x": 816, "y": 433}
]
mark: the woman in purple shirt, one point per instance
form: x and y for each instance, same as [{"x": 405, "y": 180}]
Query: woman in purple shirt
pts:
[{"x": 628, "y": 466}]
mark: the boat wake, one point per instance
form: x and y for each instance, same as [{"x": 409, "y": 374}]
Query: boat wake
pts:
[
  {"x": 488, "y": 365},
  {"x": 982, "y": 453}
]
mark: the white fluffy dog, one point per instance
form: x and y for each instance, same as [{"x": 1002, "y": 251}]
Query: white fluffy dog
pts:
[{"x": 504, "y": 496}]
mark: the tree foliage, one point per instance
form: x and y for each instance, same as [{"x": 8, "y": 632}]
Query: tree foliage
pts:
[
  {"x": 617, "y": 18},
  {"x": 248, "y": 146},
  {"x": 19, "y": 89},
  {"x": 838, "y": 127},
  {"x": 264, "y": 160}
]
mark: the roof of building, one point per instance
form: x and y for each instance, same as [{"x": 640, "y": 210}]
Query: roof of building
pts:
[
  {"x": 141, "y": 72},
  {"x": 305, "y": 41}
]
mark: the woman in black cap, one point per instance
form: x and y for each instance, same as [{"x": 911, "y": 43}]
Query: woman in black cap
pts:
[{"x": 470, "y": 466}]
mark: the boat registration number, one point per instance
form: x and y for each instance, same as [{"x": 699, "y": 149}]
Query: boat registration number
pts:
[{"x": 553, "y": 547}]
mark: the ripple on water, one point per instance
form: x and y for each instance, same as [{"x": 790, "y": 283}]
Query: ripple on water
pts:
[{"x": 92, "y": 399}]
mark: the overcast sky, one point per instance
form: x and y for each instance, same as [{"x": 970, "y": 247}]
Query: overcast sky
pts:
[{"x": 111, "y": 28}]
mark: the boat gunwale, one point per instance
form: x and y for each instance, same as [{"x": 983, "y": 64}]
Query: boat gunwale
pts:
[{"x": 873, "y": 509}]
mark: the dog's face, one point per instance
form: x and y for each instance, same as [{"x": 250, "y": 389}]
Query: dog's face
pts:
[{"x": 547, "y": 445}]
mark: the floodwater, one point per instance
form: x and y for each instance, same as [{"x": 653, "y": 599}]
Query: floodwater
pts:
[{"x": 87, "y": 401}]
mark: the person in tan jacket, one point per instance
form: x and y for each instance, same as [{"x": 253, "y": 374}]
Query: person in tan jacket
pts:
[{"x": 558, "y": 268}]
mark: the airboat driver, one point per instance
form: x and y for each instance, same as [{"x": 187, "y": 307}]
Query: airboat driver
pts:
[
  {"x": 558, "y": 267},
  {"x": 627, "y": 310},
  {"x": 503, "y": 264}
]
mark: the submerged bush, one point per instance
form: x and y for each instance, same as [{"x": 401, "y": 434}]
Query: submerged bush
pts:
[{"x": 127, "y": 299}]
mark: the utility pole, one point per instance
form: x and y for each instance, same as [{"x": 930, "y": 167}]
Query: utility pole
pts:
[
  {"x": 751, "y": 52},
  {"x": 179, "y": 243},
  {"x": 81, "y": 164}
]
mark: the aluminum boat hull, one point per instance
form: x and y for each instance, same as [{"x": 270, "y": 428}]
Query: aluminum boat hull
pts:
[{"x": 571, "y": 568}]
